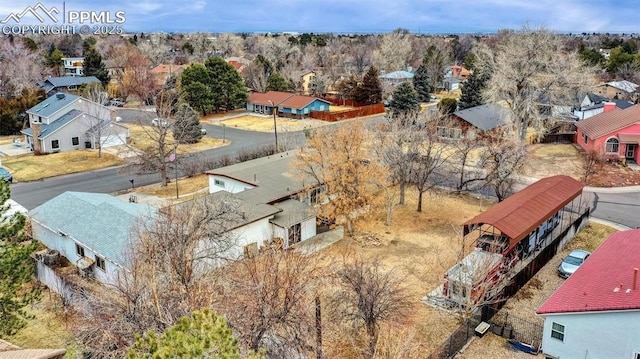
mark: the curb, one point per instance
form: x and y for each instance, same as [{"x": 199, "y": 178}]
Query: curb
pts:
[
  {"x": 617, "y": 226},
  {"x": 627, "y": 189}
]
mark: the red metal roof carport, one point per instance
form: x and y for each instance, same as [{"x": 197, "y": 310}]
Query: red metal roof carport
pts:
[{"x": 524, "y": 211}]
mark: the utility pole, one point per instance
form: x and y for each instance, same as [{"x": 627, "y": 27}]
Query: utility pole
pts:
[
  {"x": 318, "y": 329},
  {"x": 274, "y": 109}
]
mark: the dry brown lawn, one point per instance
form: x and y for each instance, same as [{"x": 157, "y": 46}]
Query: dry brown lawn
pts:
[
  {"x": 140, "y": 140},
  {"x": 187, "y": 185},
  {"x": 264, "y": 124},
  {"x": 49, "y": 327},
  {"x": 554, "y": 159},
  {"x": 33, "y": 168},
  {"x": 421, "y": 247}
]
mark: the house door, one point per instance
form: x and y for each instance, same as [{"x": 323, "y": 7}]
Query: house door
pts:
[{"x": 631, "y": 151}]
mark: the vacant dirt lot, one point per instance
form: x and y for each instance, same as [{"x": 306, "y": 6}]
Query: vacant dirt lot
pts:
[
  {"x": 265, "y": 124},
  {"x": 421, "y": 247}
]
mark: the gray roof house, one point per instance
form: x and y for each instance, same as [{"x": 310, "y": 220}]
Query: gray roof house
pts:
[
  {"x": 267, "y": 182},
  {"x": 65, "y": 83},
  {"x": 66, "y": 122},
  {"x": 479, "y": 119},
  {"x": 91, "y": 230}
]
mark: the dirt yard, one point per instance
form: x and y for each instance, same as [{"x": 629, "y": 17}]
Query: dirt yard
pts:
[
  {"x": 554, "y": 159},
  {"x": 265, "y": 124},
  {"x": 421, "y": 247}
]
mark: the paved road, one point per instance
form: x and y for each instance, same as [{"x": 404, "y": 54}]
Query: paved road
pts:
[{"x": 622, "y": 208}]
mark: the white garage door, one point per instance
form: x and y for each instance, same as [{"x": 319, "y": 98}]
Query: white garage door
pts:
[{"x": 112, "y": 140}]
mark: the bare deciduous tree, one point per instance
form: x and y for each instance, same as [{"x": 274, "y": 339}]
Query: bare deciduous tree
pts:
[
  {"x": 503, "y": 163},
  {"x": 368, "y": 296},
  {"x": 394, "y": 52},
  {"x": 529, "y": 69},
  {"x": 269, "y": 299}
]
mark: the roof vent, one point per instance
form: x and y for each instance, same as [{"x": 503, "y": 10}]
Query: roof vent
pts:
[{"x": 59, "y": 95}]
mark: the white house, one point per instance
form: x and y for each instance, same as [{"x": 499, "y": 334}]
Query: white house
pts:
[
  {"x": 91, "y": 230},
  {"x": 66, "y": 122},
  {"x": 596, "y": 312},
  {"x": 72, "y": 66},
  {"x": 266, "y": 182}
]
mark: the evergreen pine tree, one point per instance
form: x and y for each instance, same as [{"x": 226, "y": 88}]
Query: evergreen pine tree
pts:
[
  {"x": 16, "y": 268},
  {"x": 94, "y": 66},
  {"x": 186, "y": 128},
  {"x": 472, "y": 91},
  {"x": 370, "y": 91},
  {"x": 404, "y": 99},
  {"x": 421, "y": 83}
]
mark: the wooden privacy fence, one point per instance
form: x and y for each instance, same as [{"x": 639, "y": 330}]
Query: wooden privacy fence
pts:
[{"x": 343, "y": 115}]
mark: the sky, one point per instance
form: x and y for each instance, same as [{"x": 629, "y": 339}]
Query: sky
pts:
[{"x": 352, "y": 16}]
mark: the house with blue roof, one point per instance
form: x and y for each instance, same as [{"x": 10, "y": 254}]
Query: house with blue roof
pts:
[
  {"x": 93, "y": 231},
  {"x": 67, "y": 122},
  {"x": 65, "y": 83}
]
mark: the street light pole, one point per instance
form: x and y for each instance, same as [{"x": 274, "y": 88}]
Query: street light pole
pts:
[{"x": 275, "y": 126}]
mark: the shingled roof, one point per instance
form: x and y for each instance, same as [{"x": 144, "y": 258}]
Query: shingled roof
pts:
[
  {"x": 282, "y": 99},
  {"x": 525, "y": 210},
  {"x": 604, "y": 282},
  {"x": 485, "y": 117},
  {"x": 610, "y": 121}
]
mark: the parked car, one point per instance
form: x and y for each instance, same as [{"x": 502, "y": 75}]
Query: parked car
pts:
[
  {"x": 203, "y": 131},
  {"x": 572, "y": 262},
  {"x": 160, "y": 122},
  {"x": 116, "y": 102},
  {"x": 6, "y": 175}
]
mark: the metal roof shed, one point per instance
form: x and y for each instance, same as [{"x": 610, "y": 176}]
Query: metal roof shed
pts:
[{"x": 524, "y": 211}]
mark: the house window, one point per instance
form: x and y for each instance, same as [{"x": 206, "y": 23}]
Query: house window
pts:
[
  {"x": 447, "y": 132},
  {"x": 612, "y": 146},
  {"x": 55, "y": 144},
  {"x": 219, "y": 183},
  {"x": 295, "y": 233},
  {"x": 75, "y": 141},
  {"x": 80, "y": 250},
  {"x": 100, "y": 263},
  {"x": 557, "y": 331},
  {"x": 585, "y": 138}
]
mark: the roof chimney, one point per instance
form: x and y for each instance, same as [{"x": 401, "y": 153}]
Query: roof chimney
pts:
[
  {"x": 635, "y": 278},
  {"x": 608, "y": 106}
]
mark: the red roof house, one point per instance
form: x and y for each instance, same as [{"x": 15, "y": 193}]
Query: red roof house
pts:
[
  {"x": 614, "y": 133},
  {"x": 596, "y": 312}
]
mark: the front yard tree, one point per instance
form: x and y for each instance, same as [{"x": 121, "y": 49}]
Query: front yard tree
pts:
[
  {"x": 504, "y": 161},
  {"x": 94, "y": 66},
  {"x": 472, "y": 90},
  {"x": 202, "y": 334},
  {"x": 186, "y": 127},
  {"x": 404, "y": 100},
  {"x": 16, "y": 269},
  {"x": 526, "y": 74},
  {"x": 422, "y": 84},
  {"x": 369, "y": 295},
  {"x": 348, "y": 88},
  {"x": 221, "y": 87},
  {"x": 434, "y": 61},
  {"x": 340, "y": 161},
  {"x": 277, "y": 82},
  {"x": 272, "y": 294},
  {"x": 370, "y": 91}
]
